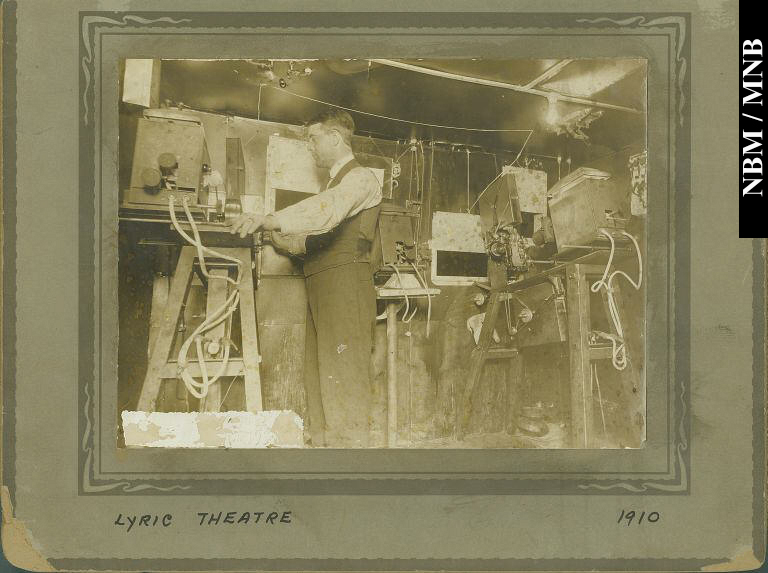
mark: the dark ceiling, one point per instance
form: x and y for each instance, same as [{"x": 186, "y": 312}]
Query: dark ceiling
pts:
[{"x": 252, "y": 88}]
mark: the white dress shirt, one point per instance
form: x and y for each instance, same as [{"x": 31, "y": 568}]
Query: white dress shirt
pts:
[{"x": 358, "y": 190}]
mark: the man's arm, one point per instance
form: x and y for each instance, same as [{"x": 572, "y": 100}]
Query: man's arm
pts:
[
  {"x": 291, "y": 244},
  {"x": 320, "y": 213},
  {"x": 358, "y": 190}
]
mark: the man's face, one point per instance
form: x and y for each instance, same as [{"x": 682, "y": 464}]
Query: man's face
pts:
[{"x": 323, "y": 144}]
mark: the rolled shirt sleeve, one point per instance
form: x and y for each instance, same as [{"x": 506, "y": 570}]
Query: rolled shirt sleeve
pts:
[
  {"x": 357, "y": 191},
  {"x": 292, "y": 244}
]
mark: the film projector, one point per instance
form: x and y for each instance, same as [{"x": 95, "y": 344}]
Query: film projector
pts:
[{"x": 173, "y": 186}]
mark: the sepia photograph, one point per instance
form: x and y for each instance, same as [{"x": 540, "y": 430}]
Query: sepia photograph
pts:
[
  {"x": 367, "y": 253},
  {"x": 323, "y": 286}
]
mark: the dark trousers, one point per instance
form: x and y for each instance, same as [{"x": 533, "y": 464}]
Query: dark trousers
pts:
[{"x": 338, "y": 366}]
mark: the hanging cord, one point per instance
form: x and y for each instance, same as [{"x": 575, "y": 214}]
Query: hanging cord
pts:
[
  {"x": 216, "y": 318},
  {"x": 423, "y": 169},
  {"x": 429, "y": 296},
  {"x": 428, "y": 210},
  {"x": 619, "y": 351},
  {"x": 200, "y": 389},
  {"x": 418, "y": 181},
  {"x": 420, "y": 198},
  {"x": 410, "y": 176},
  {"x": 202, "y": 249},
  {"x": 407, "y": 302},
  {"x": 469, "y": 209}
]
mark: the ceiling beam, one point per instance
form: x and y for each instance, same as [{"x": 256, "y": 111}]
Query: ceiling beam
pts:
[
  {"x": 505, "y": 85},
  {"x": 548, "y": 73}
]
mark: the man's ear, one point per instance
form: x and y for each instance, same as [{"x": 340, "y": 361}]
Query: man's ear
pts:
[{"x": 339, "y": 140}]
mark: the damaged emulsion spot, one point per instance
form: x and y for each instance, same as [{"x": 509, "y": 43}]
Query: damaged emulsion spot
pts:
[{"x": 341, "y": 348}]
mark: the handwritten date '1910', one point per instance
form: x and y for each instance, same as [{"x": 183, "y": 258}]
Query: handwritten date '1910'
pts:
[{"x": 638, "y": 518}]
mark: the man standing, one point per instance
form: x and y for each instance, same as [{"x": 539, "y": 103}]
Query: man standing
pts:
[{"x": 333, "y": 230}]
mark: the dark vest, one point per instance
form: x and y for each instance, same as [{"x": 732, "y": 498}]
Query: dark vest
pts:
[{"x": 349, "y": 242}]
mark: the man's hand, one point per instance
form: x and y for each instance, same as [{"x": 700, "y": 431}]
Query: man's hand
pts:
[
  {"x": 247, "y": 223},
  {"x": 290, "y": 244}
]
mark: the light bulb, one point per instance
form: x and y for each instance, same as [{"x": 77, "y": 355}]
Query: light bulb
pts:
[{"x": 552, "y": 114}]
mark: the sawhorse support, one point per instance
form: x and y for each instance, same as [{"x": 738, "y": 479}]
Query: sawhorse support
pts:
[
  {"x": 484, "y": 352},
  {"x": 161, "y": 366}
]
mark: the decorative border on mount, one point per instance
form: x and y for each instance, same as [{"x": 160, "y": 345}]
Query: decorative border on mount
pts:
[
  {"x": 90, "y": 22},
  {"x": 88, "y": 25},
  {"x": 679, "y": 23}
]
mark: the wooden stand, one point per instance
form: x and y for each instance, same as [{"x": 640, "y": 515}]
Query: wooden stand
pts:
[
  {"x": 393, "y": 296},
  {"x": 581, "y": 356},
  {"x": 484, "y": 352},
  {"x": 161, "y": 366}
]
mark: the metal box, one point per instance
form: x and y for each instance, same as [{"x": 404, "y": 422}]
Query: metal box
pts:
[
  {"x": 157, "y": 138},
  {"x": 549, "y": 324},
  {"x": 393, "y": 243},
  {"x": 582, "y": 204},
  {"x": 531, "y": 189}
]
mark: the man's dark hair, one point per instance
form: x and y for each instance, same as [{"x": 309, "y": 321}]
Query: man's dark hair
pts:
[{"x": 337, "y": 119}]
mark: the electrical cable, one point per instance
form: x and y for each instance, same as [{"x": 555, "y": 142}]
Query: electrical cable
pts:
[
  {"x": 469, "y": 209},
  {"x": 376, "y": 145},
  {"x": 619, "y": 352},
  {"x": 429, "y": 296},
  {"x": 399, "y": 157},
  {"x": 417, "y": 232},
  {"x": 429, "y": 191},
  {"x": 203, "y": 368},
  {"x": 198, "y": 241},
  {"x": 519, "y": 153},
  {"x": 200, "y": 389},
  {"x": 205, "y": 249},
  {"x": 216, "y": 318},
  {"x": 497, "y": 176},
  {"x": 418, "y": 179},
  {"x": 294, "y": 94},
  {"x": 423, "y": 169},
  {"x": 410, "y": 176},
  {"x": 405, "y": 294},
  {"x": 484, "y": 190},
  {"x": 518, "y": 299}
]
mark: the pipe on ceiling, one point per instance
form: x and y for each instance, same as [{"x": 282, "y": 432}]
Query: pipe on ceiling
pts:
[{"x": 508, "y": 86}]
